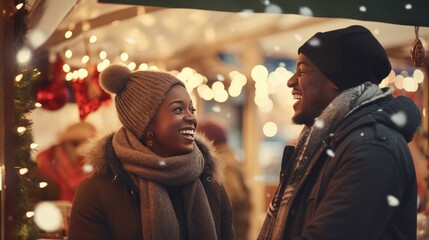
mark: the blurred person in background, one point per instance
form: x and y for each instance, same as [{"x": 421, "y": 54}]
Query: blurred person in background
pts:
[
  {"x": 216, "y": 131},
  {"x": 61, "y": 165}
]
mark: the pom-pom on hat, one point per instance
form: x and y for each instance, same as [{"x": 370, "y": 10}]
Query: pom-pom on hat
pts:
[
  {"x": 138, "y": 94},
  {"x": 348, "y": 56}
]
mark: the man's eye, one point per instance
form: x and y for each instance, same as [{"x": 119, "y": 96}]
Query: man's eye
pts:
[{"x": 193, "y": 110}]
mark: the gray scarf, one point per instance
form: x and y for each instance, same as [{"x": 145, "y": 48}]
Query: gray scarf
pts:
[
  {"x": 151, "y": 174},
  {"x": 310, "y": 140}
]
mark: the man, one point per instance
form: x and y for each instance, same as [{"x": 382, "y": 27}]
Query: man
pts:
[{"x": 351, "y": 174}]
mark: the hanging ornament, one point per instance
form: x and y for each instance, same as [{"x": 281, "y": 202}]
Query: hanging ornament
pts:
[
  {"x": 417, "y": 50},
  {"x": 52, "y": 93},
  {"x": 89, "y": 95}
]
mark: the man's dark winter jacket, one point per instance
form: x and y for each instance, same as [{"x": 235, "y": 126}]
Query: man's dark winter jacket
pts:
[{"x": 362, "y": 185}]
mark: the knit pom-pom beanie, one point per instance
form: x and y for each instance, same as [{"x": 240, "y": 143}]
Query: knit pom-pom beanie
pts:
[{"x": 138, "y": 94}]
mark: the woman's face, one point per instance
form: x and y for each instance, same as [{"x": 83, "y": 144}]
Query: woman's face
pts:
[{"x": 174, "y": 124}]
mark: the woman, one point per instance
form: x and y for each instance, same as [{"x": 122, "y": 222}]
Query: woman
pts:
[{"x": 152, "y": 178}]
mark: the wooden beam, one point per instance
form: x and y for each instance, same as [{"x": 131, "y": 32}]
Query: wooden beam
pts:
[{"x": 58, "y": 36}]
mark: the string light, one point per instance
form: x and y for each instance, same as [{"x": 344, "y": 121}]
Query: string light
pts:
[
  {"x": 18, "y": 77},
  {"x": 23, "y": 171},
  {"x": 21, "y": 130},
  {"x": 68, "y": 34},
  {"x": 19, "y": 6}
]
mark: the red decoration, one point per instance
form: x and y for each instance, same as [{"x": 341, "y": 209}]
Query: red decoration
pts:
[
  {"x": 89, "y": 95},
  {"x": 52, "y": 96},
  {"x": 52, "y": 93},
  {"x": 417, "y": 53},
  {"x": 417, "y": 50}
]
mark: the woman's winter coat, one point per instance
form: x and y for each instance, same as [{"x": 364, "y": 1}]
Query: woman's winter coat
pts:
[{"x": 106, "y": 205}]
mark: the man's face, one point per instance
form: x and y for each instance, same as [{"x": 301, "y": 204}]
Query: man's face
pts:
[{"x": 313, "y": 90}]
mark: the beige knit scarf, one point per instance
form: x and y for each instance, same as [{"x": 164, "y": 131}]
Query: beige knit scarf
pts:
[{"x": 151, "y": 174}]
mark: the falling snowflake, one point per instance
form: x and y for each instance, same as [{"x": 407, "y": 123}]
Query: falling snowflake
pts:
[
  {"x": 330, "y": 153},
  {"x": 399, "y": 118},
  {"x": 319, "y": 123},
  {"x": 265, "y": 2},
  {"x": 306, "y": 11},
  {"x": 272, "y": 8},
  {"x": 362, "y": 8},
  {"x": 162, "y": 163},
  {"x": 87, "y": 168},
  {"x": 392, "y": 201},
  {"x": 380, "y": 110},
  {"x": 43, "y": 184},
  {"x": 362, "y": 134},
  {"x": 216, "y": 109},
  {"x": 48, "y": 217},
  {"x": 315, "y": 42},
  {"x": 259, "y": 178}
]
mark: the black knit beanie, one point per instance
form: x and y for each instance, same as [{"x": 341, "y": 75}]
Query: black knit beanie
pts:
[{"x": 348, "y": 56}]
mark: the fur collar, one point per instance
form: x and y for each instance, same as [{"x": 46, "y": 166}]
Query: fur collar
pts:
[{"x": 95, "y": 155}]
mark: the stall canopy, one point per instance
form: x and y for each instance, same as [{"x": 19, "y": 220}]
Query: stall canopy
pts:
[
  {"x": 407, "y": 12},
  {"x": 180, "y": 33}
]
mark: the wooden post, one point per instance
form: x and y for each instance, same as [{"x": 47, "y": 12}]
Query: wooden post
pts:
[{"x": 7, "y": 113}]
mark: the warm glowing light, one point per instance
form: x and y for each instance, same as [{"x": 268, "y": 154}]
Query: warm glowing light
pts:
[
  {"x": 68, "y": 54},
  {"x": 220, "y": 96},
  {"x": 19, "y": 6},
  {"x": 18, "y": 77},
  {"x": 259, "y": 73},
  {"x": 269, "y": 129},
  {"x": 82, "y": 73},
  {"x": 23, "y": 171},
  {"x": 38, "y": 105},
  {"x": 43, "y": 184},
  {"x": 124, "y": 56},
  {"x": 410, "y": 84},
  {"x": 218, "y": 86},
  {"x": 68, "y": 34},
  {"x": 34, "y": 146},
  {"x": 418, "y": 75},
  {"x": 143, "y": 67},
  {"x": 29, "y": 214},
  {"x": 85, "y": 59},
  {"x": 69, "y": 76},
  {"x": 92, "y": 39},
  {"x": 132, "y": 66},
  {"x": 103, "y": 55},
  {"x": 66, "y": 68},
  {"x": 21, "y": 129}
]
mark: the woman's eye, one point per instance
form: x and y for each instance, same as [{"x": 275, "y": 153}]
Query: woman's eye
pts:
[{"x": 178, "y": 109}]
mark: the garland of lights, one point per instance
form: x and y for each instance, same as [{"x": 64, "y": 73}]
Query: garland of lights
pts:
[{"x": 24, "y": 104}]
